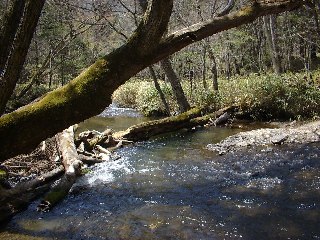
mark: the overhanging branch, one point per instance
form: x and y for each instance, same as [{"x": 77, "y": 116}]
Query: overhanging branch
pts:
[{"x": 197, "y": 32}]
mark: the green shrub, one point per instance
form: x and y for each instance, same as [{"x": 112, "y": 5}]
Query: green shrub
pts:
[
  {"x": 126, "y": 94},
  {"x": 200, "y": 96},
  {"x": 270, "y": 96}
]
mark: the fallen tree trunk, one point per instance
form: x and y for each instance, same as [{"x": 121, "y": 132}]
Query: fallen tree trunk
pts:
[
  {"x": 72, "y": 165},
  {"x": 18, "y": 198},
  {"x": 192, "y": 118}
]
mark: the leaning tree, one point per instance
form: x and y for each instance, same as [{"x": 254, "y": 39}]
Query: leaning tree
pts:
[{"x": 90, "y": 92}]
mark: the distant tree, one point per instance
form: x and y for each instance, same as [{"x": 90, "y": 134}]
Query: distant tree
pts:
[{"x": 269, "y": 28}]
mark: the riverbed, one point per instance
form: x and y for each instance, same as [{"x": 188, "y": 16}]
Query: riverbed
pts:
[{"x": 172, "y": 187}]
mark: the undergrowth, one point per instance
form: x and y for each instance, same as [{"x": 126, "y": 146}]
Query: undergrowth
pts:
[{"x": 262, "y": 97}]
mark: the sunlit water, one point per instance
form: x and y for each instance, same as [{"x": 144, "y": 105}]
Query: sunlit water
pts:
[{"x": 171, "y": 187}]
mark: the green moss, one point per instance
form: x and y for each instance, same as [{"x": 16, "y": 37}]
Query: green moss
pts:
[
  {"x": 54, "y": 196},
  {"x": 3, "y": 174},
  {"x": 85, "y": 171}
]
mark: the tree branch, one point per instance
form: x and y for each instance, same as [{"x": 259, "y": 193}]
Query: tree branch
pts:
[
  {"x": 184, "y": 37},
  {"x": 80, "y": 99},
  {"x": 227, "y": 8}
]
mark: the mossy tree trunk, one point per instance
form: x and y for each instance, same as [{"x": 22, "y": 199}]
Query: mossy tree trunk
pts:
[
  {"x": 90, "y": 92},
  {"x": 189, "y": 119}
]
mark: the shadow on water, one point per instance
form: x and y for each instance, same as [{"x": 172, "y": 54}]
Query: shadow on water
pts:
[{"x": 172, "y": 188}]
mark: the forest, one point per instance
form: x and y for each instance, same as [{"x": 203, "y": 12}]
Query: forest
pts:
[{"x": 198, "y": 93}]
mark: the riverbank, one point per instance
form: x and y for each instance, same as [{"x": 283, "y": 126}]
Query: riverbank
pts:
[
  {"x": 25, "y": 167},
  {"x": 288, "y": 134}
]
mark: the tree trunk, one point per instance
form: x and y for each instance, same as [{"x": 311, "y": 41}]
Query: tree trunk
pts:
[
  {"x": 10, "y": 24},
  {"x": 175, "y": 85},
  {"x": 204, "y": 67},
  {"x": 269, "y": 28},
  {"x": 18, "y": 55},
  {"x": 214, "y": 70},
  {"x": 26, "y": 127},
  {"x": 316, "y": 16},
  {"x": 161, "y": 94}
]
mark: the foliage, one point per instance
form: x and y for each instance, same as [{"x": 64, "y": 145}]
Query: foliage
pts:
[
  {"x": 289, "y": 96},
  {"x": 148, "y": 100},
  {"x": 142, "y": 95},
  {"x": 126, "y": 94}
]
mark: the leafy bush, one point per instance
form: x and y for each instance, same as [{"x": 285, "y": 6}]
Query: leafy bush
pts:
[
  {"x": 142, "y": 95},
  {"x": 126, "y": 94}
]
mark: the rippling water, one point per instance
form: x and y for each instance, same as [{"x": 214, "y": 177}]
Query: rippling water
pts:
[{"x": 173, "y": 188}]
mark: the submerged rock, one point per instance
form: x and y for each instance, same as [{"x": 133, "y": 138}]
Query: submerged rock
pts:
[{"x": 265, "y": 137}]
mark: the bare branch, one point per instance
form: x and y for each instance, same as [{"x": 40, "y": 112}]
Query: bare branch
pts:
[{"x": 226, "y": 10}]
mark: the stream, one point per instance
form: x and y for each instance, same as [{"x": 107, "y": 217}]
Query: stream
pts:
[{"x": 172, "y": 187}]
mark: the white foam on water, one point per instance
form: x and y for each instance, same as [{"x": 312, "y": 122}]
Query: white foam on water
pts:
[{"x": 106, "y": 172}]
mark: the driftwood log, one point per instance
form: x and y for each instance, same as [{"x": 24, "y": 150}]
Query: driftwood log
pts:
[
  {"x": 89, "y": 141},
  {"x": 72, "y": 165}
]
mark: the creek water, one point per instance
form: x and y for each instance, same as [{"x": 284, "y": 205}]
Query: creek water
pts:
[{"x": 171, "y": 187}]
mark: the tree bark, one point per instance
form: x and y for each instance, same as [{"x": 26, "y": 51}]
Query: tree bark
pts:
[
  {"x": 69, "y": 105},
  {"x": 214, "y": 70},
  {"x": 19, "y": 52},
  {"x": 269, "y": 23},
  {"x": 11, "y": 20},
  {"x": 204, "y": 66},
  {"x": 175, "y": 85}
]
